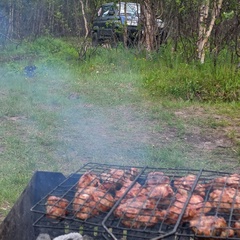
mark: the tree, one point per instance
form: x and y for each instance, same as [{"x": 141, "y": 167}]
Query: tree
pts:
[
  {"x": 202, "y": 25},
  {"x": 148, "y": 19},
  {"x": 86, "y": 24},
  {"x": 205, "y": 28}
]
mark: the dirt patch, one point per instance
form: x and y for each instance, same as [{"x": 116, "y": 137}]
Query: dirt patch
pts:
[
  {"x": 219, "y": 131},
  {"x": 127, "y": 135}
]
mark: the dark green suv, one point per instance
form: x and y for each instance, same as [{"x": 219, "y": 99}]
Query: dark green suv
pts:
[{"x": 110, "y": 19}]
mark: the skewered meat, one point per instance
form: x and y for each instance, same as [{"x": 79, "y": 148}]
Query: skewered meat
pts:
[
  {"x": 137, "y": 212},
  {"x": 185, "y": 184},
  {"x": 88, "y": 179},
  {"x": 56, "y": 207},
  {"x": 91, "y": 201},
  {"x": 114, "y": 178},
  {"x": 195, "y": 207},
  {"x": 211, "y": 226},
  {"x": 232, "y": 181},
  {"x": 226, "y": 199},
  {"x": 156, "y": 178}
]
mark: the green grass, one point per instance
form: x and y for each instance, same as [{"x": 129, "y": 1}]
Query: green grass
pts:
[
  {"x": 171, "y": 75},
  {"x": 28, "y": 126},
  {"x": 154, "y": 101}
]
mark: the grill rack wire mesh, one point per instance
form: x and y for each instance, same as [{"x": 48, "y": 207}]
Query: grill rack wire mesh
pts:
[{"x": 106, "y": 224}]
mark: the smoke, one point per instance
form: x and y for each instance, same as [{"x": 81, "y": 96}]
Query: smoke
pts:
[
  {"x": 66, "y": 125},
  {"x": 96, "y": 134}
]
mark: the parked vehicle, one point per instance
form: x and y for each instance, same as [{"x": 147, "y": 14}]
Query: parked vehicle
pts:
[{"x": 113, "y": 17}]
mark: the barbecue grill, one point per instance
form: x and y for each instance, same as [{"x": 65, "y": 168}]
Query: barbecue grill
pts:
[{"x": 104, "y": 224}]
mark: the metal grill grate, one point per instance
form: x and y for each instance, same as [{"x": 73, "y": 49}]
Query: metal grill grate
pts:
[
  {"x": 222, "y": 220},
  {"x": 67, "y": 191},
  {"x": 125, "y": 202},
  {"x": 147, "y": 225}
]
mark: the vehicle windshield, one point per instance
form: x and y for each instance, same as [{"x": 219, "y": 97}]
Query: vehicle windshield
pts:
[{"x": 131, "y": 8}]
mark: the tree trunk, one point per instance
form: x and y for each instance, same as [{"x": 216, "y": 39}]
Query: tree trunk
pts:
[
  {"x": 125, "y": 31},
  {"x": 204, "y": 30},
  {"x": 149, "y": 25},
  {"x": 84, "y": 18},
  {"x": 10, "y": 20}
]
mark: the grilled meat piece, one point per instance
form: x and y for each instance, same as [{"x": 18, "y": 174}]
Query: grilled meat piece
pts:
[
  {"x": 136, "y": 190},
  {"x": 56, "y": 207},
  {"x": 145, "y": 219},
  {"x": 137, "y": 212},
  {"x": 225, "y": 200},
  {"x": 88, "y": 179},
  {"x": 236, "y": 227},
  {"x": 91, "y": 201},
  {"x": 232, "y": 181},
  {"x": 159, "y": 191},
  {"x": 211, "y": 226},
  {"x": 195, "y": 207},
  {"x": 185, "y": 184},
  {"x": 133, "y": 206},
  {"x": 157, "y": 178},
  {"x": 115, "y": 178}
]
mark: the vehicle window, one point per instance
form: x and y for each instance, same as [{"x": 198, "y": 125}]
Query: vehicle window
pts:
[
  {"x": 131, "y": 8},
  {"x": 106, "y": 9}
]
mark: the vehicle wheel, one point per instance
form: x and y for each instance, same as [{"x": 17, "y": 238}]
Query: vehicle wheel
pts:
[{"x": 95, "y": 41}]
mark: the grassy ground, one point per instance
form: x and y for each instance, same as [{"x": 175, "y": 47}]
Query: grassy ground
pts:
[{"x": 72, "y": 112}]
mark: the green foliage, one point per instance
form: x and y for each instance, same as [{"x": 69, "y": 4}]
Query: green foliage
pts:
[
  {"x": 171, "y": 76},
  {"x": 50, "y": 46},
  {"x": 164, "y": 73},
  {"x": 44, "y": 47}
]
